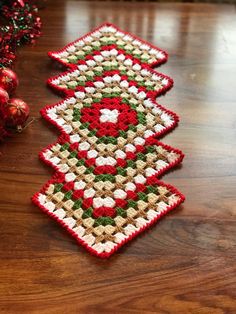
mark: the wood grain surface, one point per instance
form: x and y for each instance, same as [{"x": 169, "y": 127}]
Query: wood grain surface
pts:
[{"x": 184, "y": 264}]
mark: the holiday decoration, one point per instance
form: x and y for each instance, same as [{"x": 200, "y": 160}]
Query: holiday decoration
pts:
[
  {"x": 16, "y": 113},
  {"x": 4, "y": 97},
  {"x": 8, "y": 80},
  {"x": 107, "y": 160},
  {"x": 22, "y": 25}
]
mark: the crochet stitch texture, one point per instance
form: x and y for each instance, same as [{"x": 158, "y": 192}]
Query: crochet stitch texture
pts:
[{"x": 107, "y": 160}]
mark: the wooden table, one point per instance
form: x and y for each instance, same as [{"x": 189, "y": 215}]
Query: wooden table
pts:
[{"x": 186, "y": 263}]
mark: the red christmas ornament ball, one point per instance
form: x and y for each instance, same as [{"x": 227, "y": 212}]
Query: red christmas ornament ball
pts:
[
  {"x": 8, "y": 80},
  {"x": 4, "y": 97},
  {"x": 16, "y": 112}
]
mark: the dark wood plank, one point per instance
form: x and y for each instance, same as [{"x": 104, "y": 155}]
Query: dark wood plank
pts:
[{"x": 186, "y": 263}]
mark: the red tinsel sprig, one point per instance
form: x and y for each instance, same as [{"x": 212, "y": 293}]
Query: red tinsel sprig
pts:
[{"x": 23, "y": 26}]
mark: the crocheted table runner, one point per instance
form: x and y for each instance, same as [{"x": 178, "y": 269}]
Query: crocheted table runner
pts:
[{"x": 107, "y": 160}]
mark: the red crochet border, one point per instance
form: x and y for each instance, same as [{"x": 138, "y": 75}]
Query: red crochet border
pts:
[
  {"x": 64, "y": 136},
  {"x": 156, "y": 63}
]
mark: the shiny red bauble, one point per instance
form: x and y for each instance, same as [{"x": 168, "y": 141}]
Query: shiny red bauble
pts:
[
  {"x": 8, "y": 80},
  {"x": 4, "y": 97},
  {"x": 16, "y": 112}
]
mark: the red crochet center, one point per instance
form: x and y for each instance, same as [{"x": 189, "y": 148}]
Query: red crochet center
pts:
[{"x": 126, "y": 116}]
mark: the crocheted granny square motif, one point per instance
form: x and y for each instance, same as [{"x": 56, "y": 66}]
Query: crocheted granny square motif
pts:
[{"x": 107, "y": 160}]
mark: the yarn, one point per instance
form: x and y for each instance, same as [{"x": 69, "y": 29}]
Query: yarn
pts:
[{"x": 107, "y": 159}]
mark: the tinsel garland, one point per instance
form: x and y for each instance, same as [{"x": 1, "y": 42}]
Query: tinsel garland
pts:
[{"x": 21, "y": 25}]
